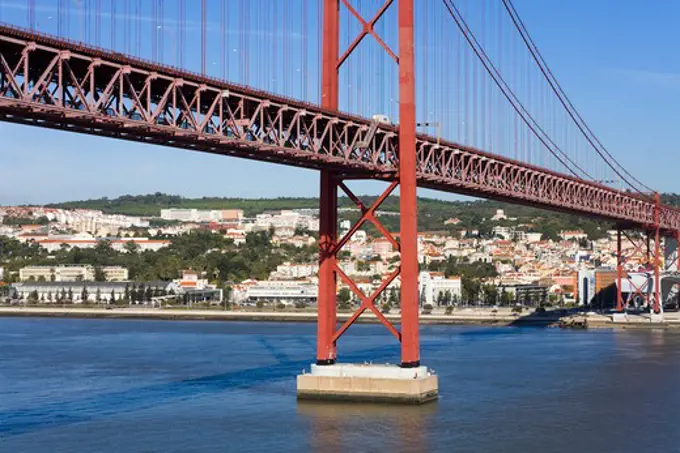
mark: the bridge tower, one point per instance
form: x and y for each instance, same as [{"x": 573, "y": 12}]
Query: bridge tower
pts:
[
  {"x": 643, "y": 285},
  {"x": 409, "y": 381}
]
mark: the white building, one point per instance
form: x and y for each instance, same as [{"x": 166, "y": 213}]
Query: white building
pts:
[
  {"x": 431, "y": 284},
  {"x": 500, "y": 215},
  {"x": 104, "y": 291},
  {"x": 575, "y": 235},
  {"x": 192, "y": 288},
  {"x": 529, "y": 238},
  {"x": 202, "y": 215},
  {"x": 286, "y": 218},
  {"x": 55, "y": 243},
  {"x": 71, "y": 273},
  {"x": 283, "y": 291},
  {"x": 288, "y": 271},
  {"x": 503, "y": 232}
]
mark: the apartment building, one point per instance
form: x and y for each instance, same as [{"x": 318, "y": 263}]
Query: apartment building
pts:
[{"x": 71, "y": 273}]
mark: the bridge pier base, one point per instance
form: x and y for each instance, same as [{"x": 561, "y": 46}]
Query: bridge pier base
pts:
[{"x": 368, "y": 383}]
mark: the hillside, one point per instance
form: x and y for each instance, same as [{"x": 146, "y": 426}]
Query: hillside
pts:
[{"x": 432, "y": 212}]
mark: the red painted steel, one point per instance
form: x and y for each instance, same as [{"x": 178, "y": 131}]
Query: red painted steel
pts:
[
  {"x": 619, "y": 273},
  {"x": 649, "y": 260},
  {"x": 327, "y": 303},
  {"x": 406, "y": 175},
  {"x": 657, "y": 254},
  {"x": 408, "y": 219},
  {"x": 82, "y": 89},
  {"x": 328, "y": 200},
  {"x": 88, "y": 90},
  {"x": 367, "y": 215}
]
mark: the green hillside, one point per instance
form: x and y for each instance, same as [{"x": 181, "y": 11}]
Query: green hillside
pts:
[{"x": 432, "y": 212}]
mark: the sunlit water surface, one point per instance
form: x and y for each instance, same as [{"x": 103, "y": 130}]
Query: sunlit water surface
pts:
[{"x": 148, "y": 386}]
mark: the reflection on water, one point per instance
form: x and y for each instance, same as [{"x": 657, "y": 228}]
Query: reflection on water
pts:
[
  {"x": 329, "y": 421},
  {"x": 132, "y": 386}
]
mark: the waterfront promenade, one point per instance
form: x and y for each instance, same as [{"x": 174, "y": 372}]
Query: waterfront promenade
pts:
[{"x": 465, "y": 316}]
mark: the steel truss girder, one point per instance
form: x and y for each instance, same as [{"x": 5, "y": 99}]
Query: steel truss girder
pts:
[{"x": 59, "y": 84}]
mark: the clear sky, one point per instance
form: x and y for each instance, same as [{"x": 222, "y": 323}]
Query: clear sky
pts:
[{"x": 618, "y": 61}]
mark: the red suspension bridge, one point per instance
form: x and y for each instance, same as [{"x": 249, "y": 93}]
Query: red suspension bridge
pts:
[{"x": 339, "y": 86}]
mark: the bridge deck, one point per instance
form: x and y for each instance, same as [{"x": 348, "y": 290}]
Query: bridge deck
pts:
[{"x": 54, "y": 83}]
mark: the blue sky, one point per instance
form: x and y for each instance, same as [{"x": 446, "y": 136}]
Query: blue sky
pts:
[{"x": 616, "y": 60}]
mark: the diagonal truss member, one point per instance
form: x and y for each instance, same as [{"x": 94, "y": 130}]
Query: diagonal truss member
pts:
[{"x": 367, "y": 302}]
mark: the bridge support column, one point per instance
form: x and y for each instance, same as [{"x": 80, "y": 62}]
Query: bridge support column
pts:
[
  {"x": 328, "y": 196},
  {"x": 657, "y": 254},
  {"x": 619, "y": 272},
  {"x": 408, "y": 221},
  {"x": 327, "y": 300},
  {"x": 409, "y": 382}
]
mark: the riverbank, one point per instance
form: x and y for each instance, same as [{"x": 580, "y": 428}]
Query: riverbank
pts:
[{"x": 501, "y": 317}]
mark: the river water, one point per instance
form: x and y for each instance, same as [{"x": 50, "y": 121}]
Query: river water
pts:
[{"x": 146, "y": 386}]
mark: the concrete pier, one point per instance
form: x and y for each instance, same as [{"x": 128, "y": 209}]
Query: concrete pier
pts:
[{"x": 368, "y": 383}]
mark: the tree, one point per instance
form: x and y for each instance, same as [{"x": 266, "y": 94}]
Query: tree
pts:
[
  {"x": 112, "y": 299},
  {"x": 344, "y": 296},
  {"x": 490, "y": 294},
  {"x": 49, "y": 296},
  {"x": 99, "y": 275},
  {"x": 140, "y": 293},
  {"x": 394, "y": 297},
  {"x": 149, "y": 294},
  {"x": 506, "y": 297},
  {"x": 33, "y": 296},
  {"x": 126, "y": 294},
  {"x": 131, "y": 247},
  {"x": 447, "y": 297},
  {"x": 69, "y": 295},
  {"x": 84, "y": 294},
  {"x": 470, "y": 289},
  {"x": 98, "y": 295}
]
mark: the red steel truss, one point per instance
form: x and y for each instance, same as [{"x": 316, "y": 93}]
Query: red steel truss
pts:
[
  {"x": 647, "y": 254},
  {"x": 367, "y": 302},
  {"x": 59, "y": 84}
]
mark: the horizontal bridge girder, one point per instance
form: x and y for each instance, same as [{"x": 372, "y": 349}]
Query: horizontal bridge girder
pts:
[{"x": 59, "y": 84}]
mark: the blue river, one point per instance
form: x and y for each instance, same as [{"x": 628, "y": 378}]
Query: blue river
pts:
[{"x": 70, "y": 385}]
